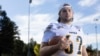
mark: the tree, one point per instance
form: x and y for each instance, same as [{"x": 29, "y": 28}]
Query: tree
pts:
[
  {"x": 30, "y": 46},
  {"x": 18, "y": 47},
  {"x": 8, "y": 32},
  {"x": 91, "y": 51}
]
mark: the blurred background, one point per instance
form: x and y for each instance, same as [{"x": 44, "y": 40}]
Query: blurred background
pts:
[{"x": 22, "y": 23}]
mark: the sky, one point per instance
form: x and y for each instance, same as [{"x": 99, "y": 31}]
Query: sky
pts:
[{"x": 44, "y": 12}]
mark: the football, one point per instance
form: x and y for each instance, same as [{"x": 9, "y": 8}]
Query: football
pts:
[{"x": 54, "y": 40}]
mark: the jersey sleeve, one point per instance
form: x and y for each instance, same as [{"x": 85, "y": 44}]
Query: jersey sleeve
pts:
[{"x": 48, "y": 34}]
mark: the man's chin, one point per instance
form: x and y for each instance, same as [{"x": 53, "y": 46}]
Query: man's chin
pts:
[{"x": 67, "y": 20}]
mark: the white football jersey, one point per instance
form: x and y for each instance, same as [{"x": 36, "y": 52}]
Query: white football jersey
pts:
[{"x": 60, "y": 29}]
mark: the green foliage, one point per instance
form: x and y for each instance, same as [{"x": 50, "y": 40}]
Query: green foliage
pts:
[
  {"x": 91, "y": 51},
  {"x": 31, "y": 44},
  {"x": 18, "y": 47},
  {"x": 10, "y": 43},
  {"x": 8, "y": 30}
]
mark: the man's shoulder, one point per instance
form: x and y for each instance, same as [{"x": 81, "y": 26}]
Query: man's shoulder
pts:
[
  {"x": 52, "y": 26},
  {"x": 78, "y": 27}
]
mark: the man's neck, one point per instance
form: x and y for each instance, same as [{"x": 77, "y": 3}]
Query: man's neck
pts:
[{"x": 67, "y": 23}]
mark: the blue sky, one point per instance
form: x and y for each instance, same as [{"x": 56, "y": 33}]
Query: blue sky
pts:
[{"x": 43, "y": 12}]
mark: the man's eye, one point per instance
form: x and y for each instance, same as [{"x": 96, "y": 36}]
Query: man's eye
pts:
[{"x": 64, "y": 10}]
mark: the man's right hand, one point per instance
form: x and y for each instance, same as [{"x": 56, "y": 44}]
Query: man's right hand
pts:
[{"x": 64, "y": 43}]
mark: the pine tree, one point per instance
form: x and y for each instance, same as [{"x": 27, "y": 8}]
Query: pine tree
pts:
[{"x": 8, "y": 32}]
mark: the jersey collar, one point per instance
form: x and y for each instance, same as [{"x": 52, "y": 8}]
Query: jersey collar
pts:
[{"x": 68, "y": 25}]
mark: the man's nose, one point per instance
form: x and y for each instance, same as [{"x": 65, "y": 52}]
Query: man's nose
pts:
[{"x": 67, "y": 12}]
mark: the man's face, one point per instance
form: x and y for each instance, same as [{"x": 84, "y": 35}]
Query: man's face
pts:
[{"x": 66, "y": 14}]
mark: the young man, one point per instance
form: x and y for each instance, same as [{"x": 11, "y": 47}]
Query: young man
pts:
[{"x": 73, "y": 46}]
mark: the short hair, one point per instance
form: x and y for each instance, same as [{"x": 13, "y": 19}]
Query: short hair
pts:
[{"x": 65, "y": 4}]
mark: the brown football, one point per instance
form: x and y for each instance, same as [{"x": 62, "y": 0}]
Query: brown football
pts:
[{"x": 54, "y": 40}]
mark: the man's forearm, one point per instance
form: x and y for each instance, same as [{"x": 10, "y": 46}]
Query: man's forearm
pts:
[
  {"x": 48, "y": 50},
  {"x": 84, "y": 52}
]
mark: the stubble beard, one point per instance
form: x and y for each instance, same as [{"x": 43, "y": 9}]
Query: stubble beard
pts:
[{"x": 67, "y": 20}]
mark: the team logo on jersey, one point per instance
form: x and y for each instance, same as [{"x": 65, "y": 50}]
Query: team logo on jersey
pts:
[{"x": 73, "y": 32}]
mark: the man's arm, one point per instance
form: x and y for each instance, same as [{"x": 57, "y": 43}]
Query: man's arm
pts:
[
  {"x": 84, "y": 52},
  {"x": 46, "y": 50}
]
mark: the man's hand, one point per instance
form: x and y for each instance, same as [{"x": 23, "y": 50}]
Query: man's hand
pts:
[{"x": 64, "y": 43}]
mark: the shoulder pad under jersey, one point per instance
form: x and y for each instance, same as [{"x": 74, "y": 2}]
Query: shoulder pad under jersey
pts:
[
  {"x": 78, "y": 28},
  {"x": 52, "y": 26}
]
